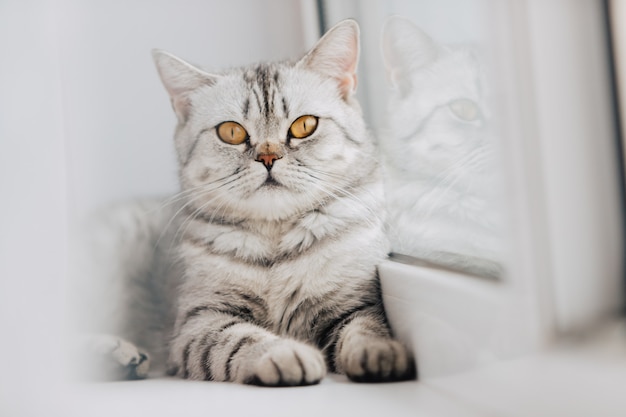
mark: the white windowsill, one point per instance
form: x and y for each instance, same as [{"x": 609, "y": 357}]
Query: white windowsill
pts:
[
  {"x": 455, "y": 322},
  {"x": 582, "y": 379}
]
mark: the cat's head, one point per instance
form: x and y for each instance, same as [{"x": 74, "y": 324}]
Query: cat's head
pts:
[
  {"x": 270, "y": 140},
  {"x": 437, "y": 110}
]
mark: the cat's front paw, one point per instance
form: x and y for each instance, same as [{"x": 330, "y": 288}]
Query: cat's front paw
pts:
[
  {"x": 108, "y": 357},
  {"x": 376, "y": 359},
  {"x": 287, "y": 363}
]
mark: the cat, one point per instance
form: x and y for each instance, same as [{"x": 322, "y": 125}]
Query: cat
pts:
[
  {"x": 443, "y": 186},
  {"x": 265, "y": 268}
]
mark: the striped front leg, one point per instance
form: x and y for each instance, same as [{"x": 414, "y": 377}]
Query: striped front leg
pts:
[
  {"x": 359, "y": 344},
  {"x": 218, "y": 346}
]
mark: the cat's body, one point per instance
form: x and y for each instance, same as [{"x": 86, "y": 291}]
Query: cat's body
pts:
[
  {"x": 278, "y": 229},
  {"x": 444, "y": 192},
  {"x": 123, "y": 278}
]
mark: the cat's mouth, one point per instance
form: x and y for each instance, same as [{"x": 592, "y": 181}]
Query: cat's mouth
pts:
[{"x": 270, "y": 182}]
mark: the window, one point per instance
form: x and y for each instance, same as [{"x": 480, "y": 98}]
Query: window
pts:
[
  {"x": 551, "y": 187},
  {"x": 431, "y": 98}
]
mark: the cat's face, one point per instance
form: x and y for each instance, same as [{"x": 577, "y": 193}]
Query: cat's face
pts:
[
  {"x": 444, "y": 194},
  {"x": 271, "y": 140},
  {"x": 437, "y": 110}
]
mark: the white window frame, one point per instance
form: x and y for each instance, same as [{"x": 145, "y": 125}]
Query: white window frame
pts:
[{"x": 561, "y": 168}]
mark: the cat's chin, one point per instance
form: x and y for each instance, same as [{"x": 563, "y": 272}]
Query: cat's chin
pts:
[
  {"x": 270, "y": 184},
  {"x": 273, "y": 201}
]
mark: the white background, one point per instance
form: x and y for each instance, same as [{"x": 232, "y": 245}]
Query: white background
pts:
[{"x": 118, "y": 120}]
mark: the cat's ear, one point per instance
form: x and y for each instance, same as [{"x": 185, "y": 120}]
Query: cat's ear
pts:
[
  {"x": 180, "y": 79},
  {"x": 405, "y": 47},
  {"x": 336, "y": 55}
]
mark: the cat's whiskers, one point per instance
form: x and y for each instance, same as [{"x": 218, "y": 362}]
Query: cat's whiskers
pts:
[
  {"x": 175, "y": 215},
  {"x": 333, "y": 191},
  {"x": 303, "y": 186},
  {"x": 471, "y": 164},
  {"x": 339, "y": 178},
  {"x": 187, "y": 204},
  {"x": 191, "y": 217},
  {"x": 175, "y": 198},
  {"x": 205, "y": 189},
  {"x": 222, "y": 205},
  {"x": 449, "y": 179},
  {"x": 443, "y": 178},
  {"x": 345, "y": 193},
  {"x": 181, "y": 195}
]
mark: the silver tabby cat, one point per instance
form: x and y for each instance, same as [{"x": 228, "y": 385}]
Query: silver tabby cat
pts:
[{"x": 278, "y": 231}]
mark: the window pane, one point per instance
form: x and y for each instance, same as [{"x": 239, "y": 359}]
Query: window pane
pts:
[{"x": 428, "y": 94}]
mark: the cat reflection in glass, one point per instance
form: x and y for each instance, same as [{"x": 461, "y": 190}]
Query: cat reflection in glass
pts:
[
  {"x": 263, "y": 269},
  {"x": 442, "y": 184}
]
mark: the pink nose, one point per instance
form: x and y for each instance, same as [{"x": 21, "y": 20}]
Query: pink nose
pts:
[{"x": 267, "y": 159}]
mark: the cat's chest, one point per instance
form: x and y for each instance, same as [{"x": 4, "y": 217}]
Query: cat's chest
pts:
[{"x": 269, "y": 242}]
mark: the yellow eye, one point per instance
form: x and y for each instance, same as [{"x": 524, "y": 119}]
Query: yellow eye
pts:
[
  {"x": 465, "y": 109},
  {"x": 232, "y": 132},
  {"x": 303, "y": 126}
]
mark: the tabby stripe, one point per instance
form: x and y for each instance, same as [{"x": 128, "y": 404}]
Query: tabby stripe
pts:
[
  {"x": 285, "y": 108},
  {"x": 212, "y": 219},
  {"x": 193, "y": 145},
  {"x": 288, "y": 304},
  {"x": 322, "y": 313},
  {"x": 236, "y": 293},
  {"x": 230, "y": 310},
  {"x": 265, "y": 87},
  {"x": 272, "y": 98},
  {"x": 254, "y": 299},
  {"x": 302, "y": 308},
  {"x": 206, "y": 366},
  {"x": 208, "y": 346},
  {"x": 335, "y": 326},
  {"x": 246, "y": 108},
  {"x": 242, "y": 342},
  {"x": 230, "y": 256},
  {"x": 309, "y": 305},
  {"x": 258, "y": 100},
  {"x": 345, "y": 131},
  {"x": 266, "y": 105},
  {"x": 186, "y": 353}
]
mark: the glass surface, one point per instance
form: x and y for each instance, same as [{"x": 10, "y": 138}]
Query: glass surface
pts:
[{"x": 427, "y": 92}]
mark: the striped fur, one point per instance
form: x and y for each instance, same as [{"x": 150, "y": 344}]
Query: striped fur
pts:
[{"x": 280, "y": 280}]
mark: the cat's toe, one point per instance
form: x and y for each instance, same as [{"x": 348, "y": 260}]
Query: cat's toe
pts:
[
  {"x": 138, "y": 368},
  {"x": 378, "y": 360},
  {"x": 288, "y": 363}
]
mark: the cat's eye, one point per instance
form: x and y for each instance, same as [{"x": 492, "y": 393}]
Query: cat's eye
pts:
[
  {"x": 465, "y": 109},
  {"x": 303, "y": 127},
  {"x": 232, "y": 133}
]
